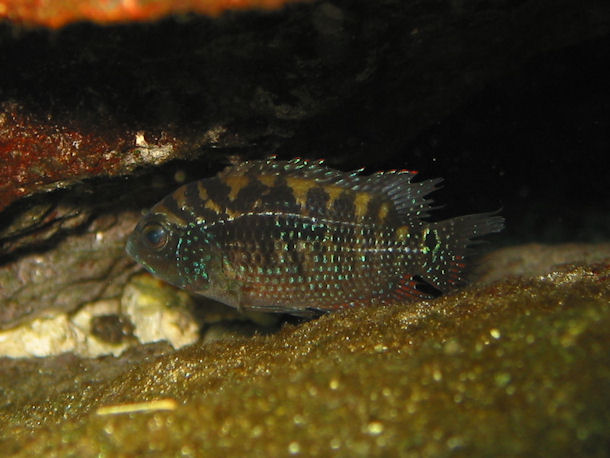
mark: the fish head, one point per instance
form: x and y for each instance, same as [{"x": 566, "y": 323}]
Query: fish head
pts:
[{"x": 154, "y": 244}]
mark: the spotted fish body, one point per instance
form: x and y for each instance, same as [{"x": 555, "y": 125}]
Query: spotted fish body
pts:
[{"x": 298, "y": 237}]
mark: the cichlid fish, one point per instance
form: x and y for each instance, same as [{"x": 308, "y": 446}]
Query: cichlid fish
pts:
[{"x": 298, "y": 237}]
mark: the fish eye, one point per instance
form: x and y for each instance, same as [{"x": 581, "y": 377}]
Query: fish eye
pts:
[{"x": 155, "y": 235}]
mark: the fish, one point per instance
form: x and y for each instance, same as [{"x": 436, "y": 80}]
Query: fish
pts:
[{"x": 298, "y": 237}]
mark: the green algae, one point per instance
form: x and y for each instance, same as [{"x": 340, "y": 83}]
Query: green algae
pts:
[{"x": 519, "y": 367}]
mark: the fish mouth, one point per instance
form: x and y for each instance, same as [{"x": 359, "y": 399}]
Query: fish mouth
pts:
[
  {"x": 129, "y": 247},
  {"x": 130, "y": 250}
]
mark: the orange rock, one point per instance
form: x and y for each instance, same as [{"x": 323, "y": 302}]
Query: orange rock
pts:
[{"x": 58, "y": 13}]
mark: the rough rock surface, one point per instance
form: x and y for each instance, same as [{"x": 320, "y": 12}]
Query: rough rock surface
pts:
[
  {"x": 81, "y": 268},
  {"x": 41, "y": 154},
  {"x": 517, "y": 367}
]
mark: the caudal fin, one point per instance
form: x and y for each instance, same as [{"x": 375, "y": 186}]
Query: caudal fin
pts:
[{"x": 446, "y": 245}]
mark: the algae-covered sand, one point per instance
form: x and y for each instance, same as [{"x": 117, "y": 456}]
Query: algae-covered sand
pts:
[{"x": 516, "y": 367}]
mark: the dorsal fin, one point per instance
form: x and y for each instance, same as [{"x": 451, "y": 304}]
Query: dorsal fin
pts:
[
  {"x": 298, "y": 168},
  {"x": 409, "y": 198}
]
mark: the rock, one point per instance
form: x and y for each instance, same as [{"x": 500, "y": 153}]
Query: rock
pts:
[
  {"x": 147, "y": 312},
  {"x": 113, "y": 328},
  {"x": 538, "y": 259},
  {"x": 159, "y": 313},
  {"x": 61, "y": 13},
  {"x": 82, "y": 268},
  {"x": 43, "y": 154},
  {"x": 87, "y": 101},
  {"x": 459, "y": 374},
  {"x": 83, "y": 107},
  {"x": 96, "y": 123}
]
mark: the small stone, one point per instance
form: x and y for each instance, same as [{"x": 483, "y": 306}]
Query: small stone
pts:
[
  {"x": 112, "y": 328},
  {"x": 294, "y": 448},
  {"x": 375, "y": 428}
]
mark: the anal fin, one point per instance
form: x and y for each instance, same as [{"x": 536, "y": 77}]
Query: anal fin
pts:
[{"x": 408, "y": 290}]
